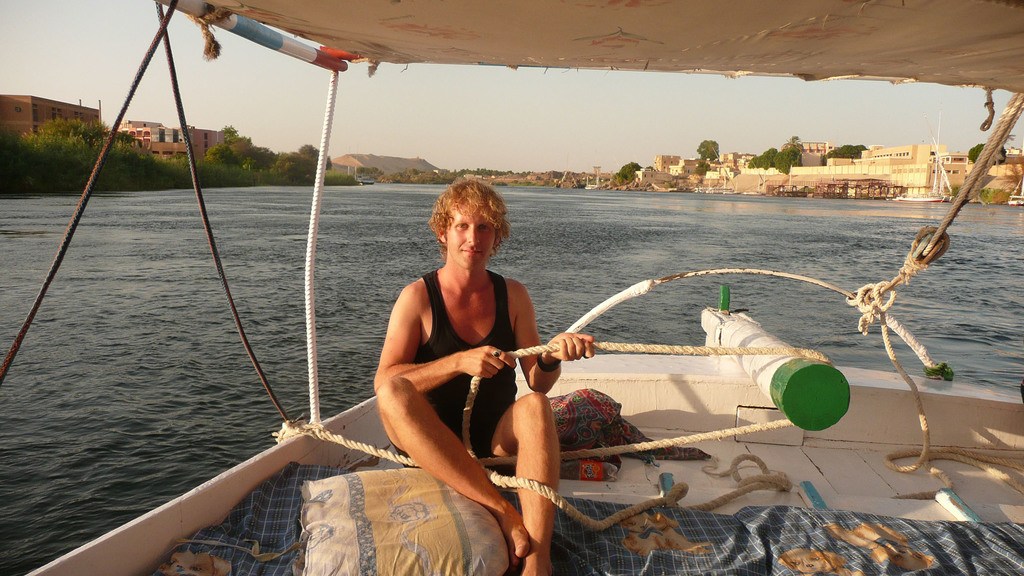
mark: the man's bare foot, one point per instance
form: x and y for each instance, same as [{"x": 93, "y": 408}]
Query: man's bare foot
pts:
[
  {"x": 535, "y": 565},
  {"x": 516, "y": 537}
]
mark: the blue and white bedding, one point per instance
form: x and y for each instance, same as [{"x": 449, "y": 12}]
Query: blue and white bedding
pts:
[{"x": 756, "y": 540}]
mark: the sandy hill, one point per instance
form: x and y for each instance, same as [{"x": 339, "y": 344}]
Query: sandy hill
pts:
[{"x": 386, "y": 164}]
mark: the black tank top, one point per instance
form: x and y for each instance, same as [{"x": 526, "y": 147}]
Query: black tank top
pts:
[{"x": 496, "y": 394}]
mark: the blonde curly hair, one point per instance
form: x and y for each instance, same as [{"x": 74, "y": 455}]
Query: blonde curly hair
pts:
[{"x": 467, "y": 196}]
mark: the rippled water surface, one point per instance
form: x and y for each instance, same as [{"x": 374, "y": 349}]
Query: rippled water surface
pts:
[{"x": 132, "y": 387}]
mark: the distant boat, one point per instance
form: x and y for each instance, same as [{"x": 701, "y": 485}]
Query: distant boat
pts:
[
  {"x": 940, "y": 182},
  {"x": 922, "y": 199},
  {"x": 365, "y": 180},
  {"x": 1018, "y": 198}
]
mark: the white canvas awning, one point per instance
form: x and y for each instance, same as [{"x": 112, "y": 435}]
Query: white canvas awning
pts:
[{"x": 953, "y": 42}]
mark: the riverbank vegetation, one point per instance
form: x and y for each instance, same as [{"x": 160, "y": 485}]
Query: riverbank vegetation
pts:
[{"x": 60, "y": 158}]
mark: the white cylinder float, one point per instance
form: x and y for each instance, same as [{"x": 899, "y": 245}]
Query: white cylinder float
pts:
[{"x": 812, "y": 394}]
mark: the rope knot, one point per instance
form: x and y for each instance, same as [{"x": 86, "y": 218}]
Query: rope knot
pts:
[
  {"x": 868, "y": 300},
  {"x": 211, "y": 49},
  {"x": 290, "y": 428}
]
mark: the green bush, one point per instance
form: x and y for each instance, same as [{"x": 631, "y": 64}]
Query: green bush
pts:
[
  {"x": 993, "y": 196},
  {"x": 61, "y": 156}
]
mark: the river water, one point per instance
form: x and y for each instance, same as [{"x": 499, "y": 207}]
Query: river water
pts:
[{"x": 132, "y": 386}]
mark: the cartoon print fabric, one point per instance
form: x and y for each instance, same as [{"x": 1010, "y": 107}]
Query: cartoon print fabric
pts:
[{"x": 755, "y": 541}]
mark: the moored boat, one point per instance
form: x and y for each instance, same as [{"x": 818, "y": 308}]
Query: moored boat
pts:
[
  {"x": 922, "y": 199},
  {"x": 839, "y": 472}
]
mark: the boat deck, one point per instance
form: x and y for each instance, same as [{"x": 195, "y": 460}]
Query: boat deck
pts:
[
  {"x": 668, "y": 397},
  {"x": 850, "y": 479},
  {"x": 845, "y": 465}
]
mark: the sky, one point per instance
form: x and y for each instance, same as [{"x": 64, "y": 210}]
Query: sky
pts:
[{"x": 458, "y": 117}]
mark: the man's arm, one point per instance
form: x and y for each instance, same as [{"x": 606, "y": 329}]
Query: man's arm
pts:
[
  {"x": 524, "y": 323},
  {"x": 405, "y": 332}
]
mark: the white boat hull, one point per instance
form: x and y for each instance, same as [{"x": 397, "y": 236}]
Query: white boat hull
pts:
[
  {"x": 667, "y": 396},
  {"x": 921, "y": 199}
]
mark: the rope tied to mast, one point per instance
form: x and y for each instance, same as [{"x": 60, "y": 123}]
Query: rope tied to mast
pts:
[
  {"x": 869, "y": 298},
  {"x": 211, "y": 48},
  {"x": 991, "y": 107}
]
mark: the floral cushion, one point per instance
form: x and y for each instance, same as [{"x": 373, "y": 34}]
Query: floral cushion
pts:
[
  {"x": 396, "y": 522},
  {"x": 590, "y": 419}
]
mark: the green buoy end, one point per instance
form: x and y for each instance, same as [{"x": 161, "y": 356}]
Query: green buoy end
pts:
[{"x": 813, "y": 395}]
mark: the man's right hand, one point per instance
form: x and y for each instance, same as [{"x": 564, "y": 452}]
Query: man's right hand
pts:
[{"x": 485, "y": 361}]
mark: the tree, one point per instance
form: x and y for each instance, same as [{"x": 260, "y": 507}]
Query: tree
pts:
[
  {"x": 847, "y": 151},
  {"x": 627, "y": 173},
  {"x": 765, "y": 160},
  {"x": 296, "y": 168},
  {"x": 708, "y": 150},
  {"x": 92, "y": 133},
  {"x": 702, "y": 168},
  {"x": 310, "y": 151},
  {"x": 222, "y": 154},
  {"x": 787, "y": 158},
  {"x": 230, "y": 134},
  {"x": 793, "y": 142},
  {"x": 975, "y": 152}
]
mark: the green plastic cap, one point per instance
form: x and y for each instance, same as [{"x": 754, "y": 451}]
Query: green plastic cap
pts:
[{"x": 813, "y": 395}]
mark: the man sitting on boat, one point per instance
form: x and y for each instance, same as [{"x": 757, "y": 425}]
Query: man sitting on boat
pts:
[{"x": 458, "y": 322}]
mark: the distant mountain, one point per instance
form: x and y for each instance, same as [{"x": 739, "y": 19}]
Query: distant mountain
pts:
[{"x": 386, "y": 164}]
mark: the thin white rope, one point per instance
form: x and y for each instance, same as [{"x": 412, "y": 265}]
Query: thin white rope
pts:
[
  {"x": 910, "y": 340},
  {"x": 642, "y": 288},
  {"x": 314, "y": 226}
]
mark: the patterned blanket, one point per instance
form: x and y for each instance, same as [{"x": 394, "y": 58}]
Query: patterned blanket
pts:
[{"x": 772, "y": 540}]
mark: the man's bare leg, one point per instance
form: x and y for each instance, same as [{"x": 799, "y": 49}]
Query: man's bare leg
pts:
[
  {"x": 528, "y": 430},
  {"x": 411, "y": 422}
]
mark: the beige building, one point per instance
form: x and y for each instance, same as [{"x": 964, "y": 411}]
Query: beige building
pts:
[
  {"x": 811, "y": 153},
  {"x": 663, "y": 163},
  {"x": 164, "y": 141},
  {"x": 911, "y": 166},
  {"x": 26, "y": 114},
  {"x": 683, "y": 167}
]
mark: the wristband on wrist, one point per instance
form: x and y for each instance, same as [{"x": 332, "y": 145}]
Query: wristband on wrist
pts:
[{"x": 544, "y": 366}]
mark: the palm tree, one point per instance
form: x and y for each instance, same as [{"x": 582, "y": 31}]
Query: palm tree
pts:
[{"x": 793, "y": 142}]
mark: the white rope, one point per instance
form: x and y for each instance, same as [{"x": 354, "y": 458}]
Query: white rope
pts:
[
  {"x": 641, "y": 288},
  {"x": 474, "y": 384},
  {"x": 638, "y": 289},
  {"x": 766, "y": 481},
  {"x": 314, "y": 226}
]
